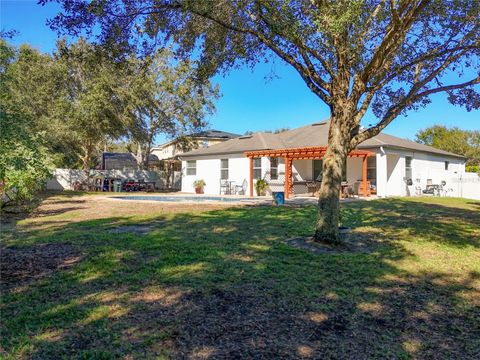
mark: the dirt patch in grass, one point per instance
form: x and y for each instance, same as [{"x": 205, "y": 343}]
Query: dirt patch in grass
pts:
[
  {"x": 21, "y": 265},
  {"x": 138, "y": 229},
  {"x": 351, "y": 243}
]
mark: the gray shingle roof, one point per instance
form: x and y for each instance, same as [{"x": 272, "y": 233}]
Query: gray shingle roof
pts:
[
  {"x": 315, "y": 134},
  {"x": 216, "y": 134}
]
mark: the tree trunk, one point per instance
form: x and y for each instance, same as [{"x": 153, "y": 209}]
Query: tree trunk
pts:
[
  {"x": 87, "y": 156},
  {"x": 333, "y": 163}
]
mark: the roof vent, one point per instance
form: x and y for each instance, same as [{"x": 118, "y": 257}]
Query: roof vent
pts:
[{"x": 319, "y": 123}]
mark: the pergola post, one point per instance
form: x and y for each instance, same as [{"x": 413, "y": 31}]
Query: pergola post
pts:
[
  {"x": 364, "y": 177},
  {"x": 288, "y": 174},
  {"x": 251, "y": 176}
]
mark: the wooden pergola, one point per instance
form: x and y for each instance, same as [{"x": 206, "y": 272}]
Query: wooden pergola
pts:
[{"x": 313, "y": 153}]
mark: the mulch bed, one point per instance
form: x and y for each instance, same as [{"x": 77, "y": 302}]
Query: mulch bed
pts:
[{"x": 21, "y": 265}]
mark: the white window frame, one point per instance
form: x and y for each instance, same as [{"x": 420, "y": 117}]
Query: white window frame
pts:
[
  {"x": 191, "y": 167},
  {"x": 257, "y": 168},
  {"x": 274, "y": 168},
  {"x": 224, "y": 169},
  {"x": 408, "y": 167}
]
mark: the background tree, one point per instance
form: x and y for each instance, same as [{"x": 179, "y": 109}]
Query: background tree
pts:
[
  {"x": 74, "y": 98},
  {"x": 93, "y": 102},
  {"x": 167, "y": 98},
  {"x": 455, "y": 140},
  {"x": 384, "y": 55},
  {"x": 24, "y": 161}
]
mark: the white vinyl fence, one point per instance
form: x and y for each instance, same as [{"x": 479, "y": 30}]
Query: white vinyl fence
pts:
[
  {"x": 466, "y": 185},
  {"x": 65, "y": 179}
]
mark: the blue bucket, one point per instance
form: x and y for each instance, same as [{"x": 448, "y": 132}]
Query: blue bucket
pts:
[{"x": 279, "y": 198}]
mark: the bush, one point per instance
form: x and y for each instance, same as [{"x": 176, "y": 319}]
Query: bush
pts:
[
  {"x": 24, "y": 164},
  {"x": 261, "y": 187},
  {"x": 473, "y": 168}
]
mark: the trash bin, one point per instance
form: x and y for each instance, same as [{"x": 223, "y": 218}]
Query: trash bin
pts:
[
  {"x": 117, "y": 186},
  {"x": 279, "y": 198}
]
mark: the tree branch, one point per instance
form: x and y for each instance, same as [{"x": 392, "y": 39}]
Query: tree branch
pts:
[{"x": 396, "y": 109}]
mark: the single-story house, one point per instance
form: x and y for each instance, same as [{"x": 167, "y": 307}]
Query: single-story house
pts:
[{"x": 291, "y": 161}]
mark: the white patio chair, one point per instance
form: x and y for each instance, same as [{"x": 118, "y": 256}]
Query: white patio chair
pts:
[
  {"x": 225, "y": 186},
  {"x": 240, "y": 188}
]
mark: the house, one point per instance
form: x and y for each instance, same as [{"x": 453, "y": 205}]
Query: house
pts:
[
  {"x": 292, "y": 160},
  {"x": 124, "y": 161},
  {"x": 201, "y": 140}
]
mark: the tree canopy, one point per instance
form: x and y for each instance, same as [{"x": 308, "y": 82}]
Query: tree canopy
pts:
[
  {"x": 24, "y": 161},
  {"x": 455, "y": 140},
  {"x": 166, "y": 97}
]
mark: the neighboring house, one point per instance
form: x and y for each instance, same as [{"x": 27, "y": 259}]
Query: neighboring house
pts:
[
  {"x": 203, "y": 139},
  {"x": 124, "y": 161},
  {"x": 293, "y": 160}
]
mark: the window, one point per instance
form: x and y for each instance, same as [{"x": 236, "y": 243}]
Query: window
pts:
[
  {"x": 257, "y": 168},
  {"x": 317, "y": 170},
  {"x": 205, "y": 144},
  {"x": 224, "y": 169},
  {"x": 446, "y": 165},
  {"x": 273, "y": 168},
  {"x": 408, "y": 167},
  {"x": 372, "y": 169},
  {"x": 191, "y": 167}
]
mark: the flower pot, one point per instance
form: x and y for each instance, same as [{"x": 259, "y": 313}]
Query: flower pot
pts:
[{"x": 199, "y": 190}]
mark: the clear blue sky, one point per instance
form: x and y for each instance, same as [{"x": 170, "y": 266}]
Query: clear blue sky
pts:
[{"x": 249, "y": 102}]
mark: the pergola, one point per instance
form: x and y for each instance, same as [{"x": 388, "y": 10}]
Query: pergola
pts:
[{"x": 313, "y": 153}]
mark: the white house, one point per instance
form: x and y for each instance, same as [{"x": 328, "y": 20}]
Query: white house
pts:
[{"x": 385, "y": 164}]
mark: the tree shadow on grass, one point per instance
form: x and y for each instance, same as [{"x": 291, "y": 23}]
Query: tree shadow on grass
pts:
[
  {"x": 223, "y": 284},
  {"x": 432, "y": 222}
]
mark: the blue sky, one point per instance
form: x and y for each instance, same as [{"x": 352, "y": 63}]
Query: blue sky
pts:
[{"x": 250, "y": 101}]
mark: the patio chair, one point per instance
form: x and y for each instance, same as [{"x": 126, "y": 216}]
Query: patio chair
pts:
[
  {"x": 225, "y": 187},
  {"x": 241, "y": 189}
]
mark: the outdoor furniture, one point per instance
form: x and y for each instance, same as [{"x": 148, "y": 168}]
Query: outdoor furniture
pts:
[
  {"x": 237, "y": 189},
  {"x": 344, "y": 189},
  {"x": 358, "y": 188},
  {"x": 431, "y": 189},
  {"x": 225, "y": 186},
  {"x": 313, "y": 186}
]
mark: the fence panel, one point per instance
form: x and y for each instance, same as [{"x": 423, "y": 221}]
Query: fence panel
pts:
[{"x": 65, "y": 179}]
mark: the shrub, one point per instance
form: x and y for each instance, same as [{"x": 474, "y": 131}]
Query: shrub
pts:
[{"x": 261, "y": 187}]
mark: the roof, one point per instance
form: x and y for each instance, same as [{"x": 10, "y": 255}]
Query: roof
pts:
[
  {"x": 206, "y": 134},
  {"x": 215, "y": 134},
  {"x": 313, "y": 135},
  {"x": 126, "y": 157}
]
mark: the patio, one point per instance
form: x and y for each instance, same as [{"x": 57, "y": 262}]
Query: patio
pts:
[{"x": 306, "y": 175}]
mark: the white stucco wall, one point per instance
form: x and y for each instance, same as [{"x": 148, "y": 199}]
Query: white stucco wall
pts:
[
  {"x": 391, "y": 180},
  {"x": 390, "y": 165},
  {"x": 208, "y": 169}
]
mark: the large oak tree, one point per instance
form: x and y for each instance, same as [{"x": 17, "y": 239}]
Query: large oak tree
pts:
[{"x": 386, "y": 55}]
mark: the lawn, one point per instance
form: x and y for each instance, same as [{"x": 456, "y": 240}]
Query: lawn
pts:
[{"x": 95, "y": 279}]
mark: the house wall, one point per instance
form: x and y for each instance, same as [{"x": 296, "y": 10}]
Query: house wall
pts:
[
  {"x": 170, "y": 150},
  {"x": 390, "y": 164},
  {"x": 208, "y": 169},
  {"x": 391, "y": 178},
  {"x": 354, "y": 170}
]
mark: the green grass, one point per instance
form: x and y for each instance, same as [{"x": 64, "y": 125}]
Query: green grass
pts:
[{"x": 225, "y": 284}]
